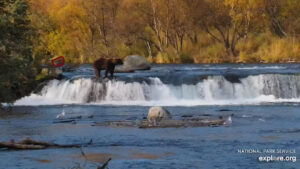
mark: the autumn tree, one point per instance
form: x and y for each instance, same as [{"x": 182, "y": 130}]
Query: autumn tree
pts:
[
  {"x": 83, "y": 30},
  {"x": 283, "y": 16},
  {"x": 227, "y": 21}
]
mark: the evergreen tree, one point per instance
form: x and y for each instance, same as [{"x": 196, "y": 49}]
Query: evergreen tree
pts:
[{"x": 16, "y": 71}]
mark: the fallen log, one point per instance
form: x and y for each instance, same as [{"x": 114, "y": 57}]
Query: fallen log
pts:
[{"x": 30, "y": 144}]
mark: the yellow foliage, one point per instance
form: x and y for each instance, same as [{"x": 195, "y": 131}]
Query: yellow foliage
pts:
[
  {"x": 169, "y": 56},
  {"x": 212, "y": 54},
  {"x": 248, "y": 58},
  {"x": 268, "y": 48},
  {"x": 280, "y": 50},
  {"x": 170, "y": 31}
]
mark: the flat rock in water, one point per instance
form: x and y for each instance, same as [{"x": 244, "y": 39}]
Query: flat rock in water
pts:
[
  {"x": 116, "y": 124},
  {"x": 65, "y": 121},
  {"x": 183, "y": 123},
  {"x": 166, "y": 123}
]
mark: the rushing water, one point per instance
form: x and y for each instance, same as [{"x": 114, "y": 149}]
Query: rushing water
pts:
[
  {"x": 183, "y": 86},
  {"x": 264, "y": 101}
]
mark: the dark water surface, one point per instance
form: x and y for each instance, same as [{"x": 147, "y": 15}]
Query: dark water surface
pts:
[{"x": 264, "y": 101}]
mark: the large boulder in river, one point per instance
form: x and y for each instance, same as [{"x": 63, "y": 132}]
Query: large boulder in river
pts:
[
  {"x": 157, "y": 114},
  {"x": 132, "y": 63}
]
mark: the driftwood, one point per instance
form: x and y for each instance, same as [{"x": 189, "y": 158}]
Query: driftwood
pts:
[
  {"x": 29, "y": 144},
  {"x": 105, "y": 164}
]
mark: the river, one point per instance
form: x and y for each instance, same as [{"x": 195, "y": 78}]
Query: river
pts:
[{"x": 263, "y": 101}]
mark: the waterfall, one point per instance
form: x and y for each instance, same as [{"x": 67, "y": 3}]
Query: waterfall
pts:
[{"x": 211, "y": 90}]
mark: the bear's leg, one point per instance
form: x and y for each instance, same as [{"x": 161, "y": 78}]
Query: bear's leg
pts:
[
  {"x": 106, "y": 73},
  {"x": 112, "y": 73},
  {"x": 97, "y": 72}
]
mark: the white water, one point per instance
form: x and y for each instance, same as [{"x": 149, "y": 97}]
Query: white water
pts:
[
  {"x": 236, "y": 68},
  {"x": 215, "y": 90}
]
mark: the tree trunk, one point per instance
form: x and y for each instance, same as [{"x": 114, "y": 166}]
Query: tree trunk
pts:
[
  {"x": 149, "y": 49},
  {"x": 272, "y": 8}
]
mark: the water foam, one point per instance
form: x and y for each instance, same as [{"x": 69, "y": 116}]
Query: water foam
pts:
[{"x": 215, "y": 90}]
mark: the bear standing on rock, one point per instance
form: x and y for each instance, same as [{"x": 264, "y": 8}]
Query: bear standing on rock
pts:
[{"x": 106, "y": 64}]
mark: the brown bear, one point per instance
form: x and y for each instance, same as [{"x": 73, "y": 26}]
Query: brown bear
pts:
[{"x": 106, "y": 64}]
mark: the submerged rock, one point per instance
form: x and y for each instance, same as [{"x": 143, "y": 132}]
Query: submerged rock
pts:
[
  {"x": 157, "y": 114},
  {"x": 224, "y": 110},
  {"x": 132, "y": 63}
]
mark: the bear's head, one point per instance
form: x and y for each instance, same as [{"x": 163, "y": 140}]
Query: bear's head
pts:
[{"x": 117, "y": 61}]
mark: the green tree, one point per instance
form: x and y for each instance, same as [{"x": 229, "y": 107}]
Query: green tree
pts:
[{"x": 16, "y": 71}]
